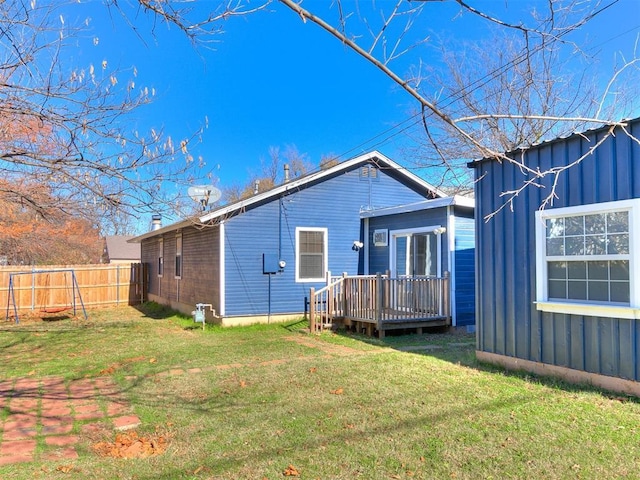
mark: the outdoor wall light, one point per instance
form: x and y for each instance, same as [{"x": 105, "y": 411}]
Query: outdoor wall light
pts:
[
  {"x": 439, "y": 230},
  {"x": 357, "y": 246}
]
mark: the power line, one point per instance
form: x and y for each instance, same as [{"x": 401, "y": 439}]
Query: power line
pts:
[{"x": 481, "y": 82}]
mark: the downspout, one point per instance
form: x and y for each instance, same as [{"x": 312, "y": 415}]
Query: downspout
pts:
[
  {"x": 221, "y": 267},
  {"x": 280, "y": 228},
  {"x": 370, "y": 186},
  {"x": 366, "y": 246},
  {"x": 451, "y": 241}
]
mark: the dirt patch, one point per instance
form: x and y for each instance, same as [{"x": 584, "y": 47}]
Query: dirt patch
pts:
[
  {"x": 44, "y": 316},
  {"x": 328, "y": 348},
  {"x": 112, "y": 368},
  {"x": 131, "y": 445}
]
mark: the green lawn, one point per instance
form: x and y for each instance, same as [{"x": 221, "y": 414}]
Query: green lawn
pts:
[{"x": 263, "y": 398}]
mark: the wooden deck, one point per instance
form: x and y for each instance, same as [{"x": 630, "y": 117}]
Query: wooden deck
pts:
[{"x": 377, "y": 303}]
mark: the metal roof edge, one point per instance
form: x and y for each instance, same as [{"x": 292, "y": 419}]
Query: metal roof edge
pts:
[
  {"x": 475, "y": 163},
  {"x": 463, "y": 201},
  {"x": 457, "y": 200}
]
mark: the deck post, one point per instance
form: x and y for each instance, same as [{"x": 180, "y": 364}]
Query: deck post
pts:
[
  {"x": 329, "y": 305},
  {"x": 379, "y": 295},
  {"x": 445, "y": 295},
  {"x": 312, "y": 310},
  {"x": 343, "y": 288}
]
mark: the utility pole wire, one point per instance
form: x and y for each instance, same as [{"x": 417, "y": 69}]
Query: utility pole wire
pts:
[{"x": 306, "y": 15}]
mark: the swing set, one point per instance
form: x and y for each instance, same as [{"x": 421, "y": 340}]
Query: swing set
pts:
[{"x": 72, "y": 292}]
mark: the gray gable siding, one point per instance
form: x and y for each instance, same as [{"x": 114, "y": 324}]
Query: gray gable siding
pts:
[
  {"x": 148, "y": 255},
  {"x": 200, "y": 281},
  {"x": 335, "y": 204},
  {"x": 508, "y": 322}
]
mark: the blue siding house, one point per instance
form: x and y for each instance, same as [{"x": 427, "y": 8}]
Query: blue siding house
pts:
[
  {"x": 256, "y": 260},
  {"x": 558, "y": 289}
]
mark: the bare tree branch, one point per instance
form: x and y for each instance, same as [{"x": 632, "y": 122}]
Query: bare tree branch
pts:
[
  {"x": 391, "y": 74},
  {"x": 505, "y": 95},
  {"x": 68, "y": 127}
]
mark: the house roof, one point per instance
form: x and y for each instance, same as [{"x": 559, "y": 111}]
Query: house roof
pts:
[
  {"x": 118, "y": 248},
  {"x": 376, "y": 157},
  {"x": 456, "y": 200}
]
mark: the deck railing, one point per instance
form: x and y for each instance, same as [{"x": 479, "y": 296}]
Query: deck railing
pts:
[{"x": 379, "y": 300}]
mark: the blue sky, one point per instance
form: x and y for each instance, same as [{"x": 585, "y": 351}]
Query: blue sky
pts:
[{"x": 272, "y": 80}]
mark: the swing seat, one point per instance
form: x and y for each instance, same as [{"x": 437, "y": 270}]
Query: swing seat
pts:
[{"x": 54, "y": 310}]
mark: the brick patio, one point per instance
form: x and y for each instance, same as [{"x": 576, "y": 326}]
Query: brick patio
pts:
[{"x": 45, "y": 412}]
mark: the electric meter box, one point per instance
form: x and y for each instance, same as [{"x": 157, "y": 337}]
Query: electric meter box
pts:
[{"x": 270, "y": 263}]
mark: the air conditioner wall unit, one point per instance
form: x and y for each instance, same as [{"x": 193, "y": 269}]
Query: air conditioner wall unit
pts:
[{"x": 381, "y": 238}]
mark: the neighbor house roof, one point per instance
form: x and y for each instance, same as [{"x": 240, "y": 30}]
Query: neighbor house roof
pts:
[
  {"x": 118, "y": 248},
  {"x": 376, "y": 157}
]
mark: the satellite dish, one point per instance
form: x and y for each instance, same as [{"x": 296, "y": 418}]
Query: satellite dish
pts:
[{"x": 204, "y": 194}]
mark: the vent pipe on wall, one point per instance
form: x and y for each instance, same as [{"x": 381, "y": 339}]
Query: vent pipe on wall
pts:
[{"x": 156, "y": 222}]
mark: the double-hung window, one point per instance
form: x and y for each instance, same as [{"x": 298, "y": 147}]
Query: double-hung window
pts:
[
  {"x": 311, "y": 254},
  {"x": 178, "y": 273},
  {"x": 585, "y": 262}
]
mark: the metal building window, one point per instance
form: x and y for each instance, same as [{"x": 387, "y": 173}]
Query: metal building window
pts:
[
  {"x": 311, "y": 254},
  {"x": 585, "y": 256},
  {"x": 160, "y": 257},
  {"x": 178, "y": 273}
]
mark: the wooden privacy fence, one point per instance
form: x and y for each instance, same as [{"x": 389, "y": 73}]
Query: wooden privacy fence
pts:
[
  {"x": 381, "y": 302},
  {"x": 51, "y": 288}
]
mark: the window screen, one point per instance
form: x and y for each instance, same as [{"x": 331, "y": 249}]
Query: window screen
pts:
[{"x": 311, "y": 254}]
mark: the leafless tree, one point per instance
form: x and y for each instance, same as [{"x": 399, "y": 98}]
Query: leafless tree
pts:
[
  {"x": 517, "y": 103},
  {"x": 272, "y": 173},
  {"x": 506, "y": 94},
  {"x": 69, "y": 126},
  {"x": 491, "y": 98}
]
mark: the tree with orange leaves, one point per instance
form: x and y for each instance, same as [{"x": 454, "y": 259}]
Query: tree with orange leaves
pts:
[
  {"x": 34, "y": 232},
  {"x": 66, "y": 142}
]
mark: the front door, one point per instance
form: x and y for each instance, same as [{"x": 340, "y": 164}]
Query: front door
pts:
[{"x": 415, "y": 254}]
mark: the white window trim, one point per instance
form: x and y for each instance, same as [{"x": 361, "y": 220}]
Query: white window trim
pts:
[
  {"x": 325, "y": 267},
  {"x": 590, "y": 308},
  {"x": 160, "y": 256},
  {"x": 178, "y": 254}
]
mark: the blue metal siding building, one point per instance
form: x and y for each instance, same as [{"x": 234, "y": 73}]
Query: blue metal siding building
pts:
[
  {"x": 464, "y": 270},
  {"x": 519, "y": 324}
]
